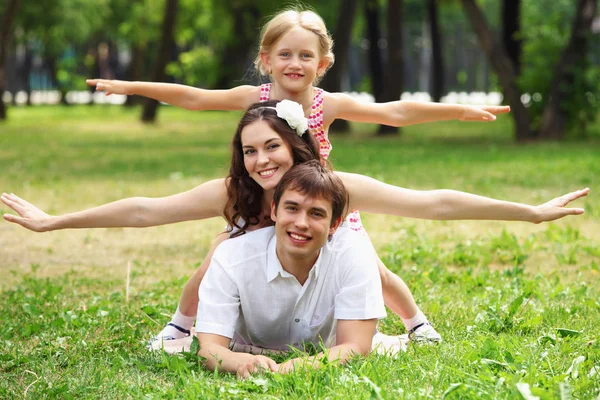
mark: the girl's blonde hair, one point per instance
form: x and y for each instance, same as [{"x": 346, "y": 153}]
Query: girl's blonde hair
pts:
[{"x": 282, "y": 23}]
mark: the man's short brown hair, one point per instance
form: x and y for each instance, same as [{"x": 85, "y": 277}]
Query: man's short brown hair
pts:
[{"x": 313, "y": 180}]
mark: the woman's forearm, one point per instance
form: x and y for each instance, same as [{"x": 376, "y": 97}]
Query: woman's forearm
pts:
[
  {"x": 455, "y": 205},
  {"x": 131, "y": 212}
]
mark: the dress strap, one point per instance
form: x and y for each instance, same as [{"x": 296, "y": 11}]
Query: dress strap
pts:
[{"x": 265, "y": 89}]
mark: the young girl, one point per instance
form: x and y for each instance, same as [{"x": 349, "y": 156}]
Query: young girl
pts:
[
  {"x": 295, "y": 52},
  {"x": 265, "y": 146}
]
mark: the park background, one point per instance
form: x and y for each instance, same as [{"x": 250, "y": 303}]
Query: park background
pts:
[{"x": 517, "y": 304}]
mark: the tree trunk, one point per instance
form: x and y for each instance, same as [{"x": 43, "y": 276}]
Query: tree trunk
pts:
[
  {"x": 10, "y": 12},
  {"x": 235, "y": 59},
  {"x": 437, "y": 60},
  {"x": 51, "y": 60},
  {"x": 134, "y": 72},
  {"x": 373, "y": 35},
  {"x": 503, "y": 67},
  {"x": 165, "y": 51},
  {"x": 574, "y": 54},
  {"x": 342, "y": 35},
  {"x": 394, "y": 75},
  {"x": 511, "y": 27}
]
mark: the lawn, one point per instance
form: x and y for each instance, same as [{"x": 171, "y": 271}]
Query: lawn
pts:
[{"x": 517, "y": 304}]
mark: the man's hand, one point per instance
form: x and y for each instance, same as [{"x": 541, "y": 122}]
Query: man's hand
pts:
[{"x": 257, "y": 364}]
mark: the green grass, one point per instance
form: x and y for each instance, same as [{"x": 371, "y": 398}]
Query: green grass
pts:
[{"x": 516, "y": 303}]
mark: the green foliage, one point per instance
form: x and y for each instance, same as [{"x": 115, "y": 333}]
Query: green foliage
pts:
[{"x": 546, "y": 28}]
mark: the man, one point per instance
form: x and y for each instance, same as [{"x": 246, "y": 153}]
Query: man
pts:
[{"x": 293, "y": 283}]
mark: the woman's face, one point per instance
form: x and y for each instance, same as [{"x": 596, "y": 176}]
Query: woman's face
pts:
[{"x": 266, "y": 156}]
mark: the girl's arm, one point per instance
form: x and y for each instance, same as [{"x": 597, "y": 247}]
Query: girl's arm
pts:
[
  {"x": 370, "y": 195},
  {"x": 188, "y": 97},
  {"x": 401, "y": 113},
  {"x": 205, "y": 201}
]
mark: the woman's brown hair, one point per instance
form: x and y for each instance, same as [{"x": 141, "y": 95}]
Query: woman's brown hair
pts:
[{"x": 244, "y": 195}]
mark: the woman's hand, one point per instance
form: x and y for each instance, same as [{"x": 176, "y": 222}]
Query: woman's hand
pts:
[
  {"x": 257, "y": 364},
  {"x": 111, "y": 86},
  {"x": 29, "y": 217},
  {"x": 482, "y": 113},
  {"x": 556, "y": 208}
]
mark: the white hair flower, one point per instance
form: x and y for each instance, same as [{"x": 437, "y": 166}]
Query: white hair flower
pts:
[{"x": 293, "y": 113}]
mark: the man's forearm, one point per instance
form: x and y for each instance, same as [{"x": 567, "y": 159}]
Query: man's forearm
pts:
[
  {"x": 219, "y": 357},
  {"x": 340, "y": 353}
]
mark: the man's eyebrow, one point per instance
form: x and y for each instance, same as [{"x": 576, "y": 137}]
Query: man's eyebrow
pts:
[
  {"x": 290, "y": 202},
  {"x": 320, "y": 209}
]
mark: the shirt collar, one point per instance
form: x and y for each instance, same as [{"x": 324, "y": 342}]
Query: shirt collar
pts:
[{"x": 275, "y": 268}]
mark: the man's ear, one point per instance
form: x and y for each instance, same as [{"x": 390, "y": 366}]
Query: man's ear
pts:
[
  {"x": 266, "y": 61},
  {"x": 273, "y": 211},
  {"x": 336, "y": 224}
]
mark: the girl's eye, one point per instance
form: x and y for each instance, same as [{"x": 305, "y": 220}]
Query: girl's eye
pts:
[
  {"x": 273, "y": 146},
  {"x": 284, "y": 54},
  {"x": 249, "y": 151},
  {"x": 306, "y": 55}
]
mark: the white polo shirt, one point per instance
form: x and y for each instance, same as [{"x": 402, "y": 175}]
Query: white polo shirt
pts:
[{"x": 246, "y": 295}]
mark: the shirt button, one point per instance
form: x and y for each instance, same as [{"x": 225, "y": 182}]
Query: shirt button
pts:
[{"x": 297, "y": 320}]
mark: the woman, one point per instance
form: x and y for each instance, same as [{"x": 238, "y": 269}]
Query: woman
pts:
[{"x": 265, "y": 146}]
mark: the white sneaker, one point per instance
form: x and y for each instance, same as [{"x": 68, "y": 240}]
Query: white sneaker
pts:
[
  {"x": 172, "y": 339},
  {"x": 424, "y": 332},
  {"x": 388, "y": 345}
]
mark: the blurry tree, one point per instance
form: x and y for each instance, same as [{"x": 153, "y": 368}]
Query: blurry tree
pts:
[
  {"x": 575, "y": 84},
  {"x": 373, "y": 34},
  {"x": 437, "y": 59},
  {"x": 60, "y": 28},
  {"x": 394, "y": 69},
  {"x": 9, "y": 11},
  {"x": 135, "y": 25},
  {"x": 567, "y": 92},
  {"x": 163, "y": 56},
  {"x": 511, "y": 31},
  {"x": 342, "y": 36}
]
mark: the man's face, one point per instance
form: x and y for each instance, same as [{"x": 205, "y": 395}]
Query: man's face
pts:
[{"x": 302, "y": 224}]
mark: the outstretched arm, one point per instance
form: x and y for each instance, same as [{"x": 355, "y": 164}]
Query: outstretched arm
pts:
[
  {"x": 188, "y": 97},
  {"x": 204, "y": 201},
  {"x": 401, "y": 113},
  {"x": 370, "y": 195}
]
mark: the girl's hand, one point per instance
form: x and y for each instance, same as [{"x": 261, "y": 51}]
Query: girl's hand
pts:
[
  {"x": 257, "y": 364},
  {"x": 555, "y": 208},
  {"x": 30, "y": 216},
  {"x": 111, "y": 86},
  {"x": 482, "y": 113}
]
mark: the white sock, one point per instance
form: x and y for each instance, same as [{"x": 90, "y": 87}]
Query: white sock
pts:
[
  {"x": 182, "y": 321},
  {"x": 418, "y": 319}
]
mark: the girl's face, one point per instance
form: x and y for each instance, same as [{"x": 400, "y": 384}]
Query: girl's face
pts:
[
  {"x": 266, "y": 156},
  {"x": 294, "y": 60}
]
